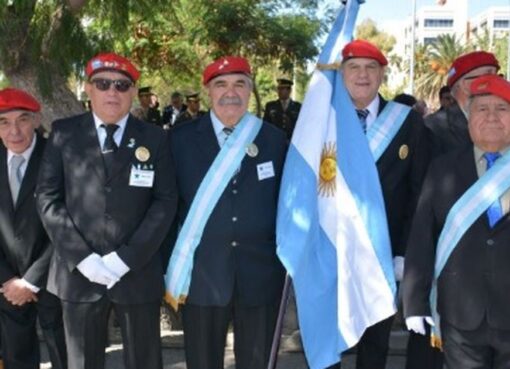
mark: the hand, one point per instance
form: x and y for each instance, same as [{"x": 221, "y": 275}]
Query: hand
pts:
[
  {"x": 398, "y": 267},
  {"x": 116, "y": 265},
  {"x": 417, "y": 323},
  {"x": 94, "y": 269},
  {"x": 17, "y": 292}
]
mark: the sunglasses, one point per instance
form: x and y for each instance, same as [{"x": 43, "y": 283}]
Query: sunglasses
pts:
[{"x": 103, "y": 84}]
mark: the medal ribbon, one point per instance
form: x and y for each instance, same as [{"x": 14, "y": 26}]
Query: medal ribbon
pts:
[
  {"x": 228, "y": 160},
  {"x": 382, "y": 131}
]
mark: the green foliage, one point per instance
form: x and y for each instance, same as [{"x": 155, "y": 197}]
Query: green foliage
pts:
[{"x": 367, "y": 30}]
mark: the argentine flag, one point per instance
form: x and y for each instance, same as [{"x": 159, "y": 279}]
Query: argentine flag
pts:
[{"x": 332, "y": 232}]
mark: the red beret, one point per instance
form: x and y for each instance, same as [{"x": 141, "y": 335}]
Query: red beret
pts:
[
  {"x": 14, "y": 99},
  {"x": 491, "y": 84},
  {"x": 226, "y": 65},
  {"x": 111, "y": 61},
  {"x": 363, "y": 49},
  {"x": 467, "y": 62}
]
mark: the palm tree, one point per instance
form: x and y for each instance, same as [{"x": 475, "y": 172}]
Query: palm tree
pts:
[{"x": 437, "y": 60}]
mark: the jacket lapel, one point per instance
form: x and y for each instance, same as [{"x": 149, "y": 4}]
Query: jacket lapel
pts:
[
  {"x": 5, "y": 196},
  {"x": 206, "y": 138},
  {"x": 88, "y": 145},
  {"x": 30, "y": 177}
]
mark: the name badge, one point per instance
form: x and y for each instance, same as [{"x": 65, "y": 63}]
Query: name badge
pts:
[
  {"x": 265, "y": 170},
  {"x": 141, "y": 178}
]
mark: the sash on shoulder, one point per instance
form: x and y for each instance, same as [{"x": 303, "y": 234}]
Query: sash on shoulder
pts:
[
  {"x": 473, "y": 203},
  {"x": 382, "y": 131},
  {"x": 226, "y": 163}
]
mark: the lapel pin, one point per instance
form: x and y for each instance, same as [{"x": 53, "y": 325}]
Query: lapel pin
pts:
[
  {"x": 252, "y": 150},
  {"x": 131, "y": 143},
  {"x": 142, "y": 154}
]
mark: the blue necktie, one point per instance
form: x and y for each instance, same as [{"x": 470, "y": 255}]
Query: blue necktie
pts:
[
  {"x": 494, "y": 212},
  {"x": 362, "y": 115}
]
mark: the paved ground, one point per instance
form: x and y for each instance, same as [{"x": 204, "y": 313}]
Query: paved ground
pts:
[{"x": 173, "y": 354}]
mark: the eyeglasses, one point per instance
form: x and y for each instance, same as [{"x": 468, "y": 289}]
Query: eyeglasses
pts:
[{"x": 103, "y": 84}]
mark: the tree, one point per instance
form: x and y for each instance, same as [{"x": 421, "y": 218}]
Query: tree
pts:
[
  {"x": 435, "y": 63},
  {"x": 367, "y": 30},
  {"x": 46, "y": 42}
]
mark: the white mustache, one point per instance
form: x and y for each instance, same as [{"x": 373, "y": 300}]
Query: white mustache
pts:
[{"x": 230, "y": 101}]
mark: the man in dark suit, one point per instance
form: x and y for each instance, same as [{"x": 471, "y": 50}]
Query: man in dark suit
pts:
[
  {"x": 236, "y": 274},
  {"x": 283, "y": 112},
  {"x": 172, "y": 111},
  {"x": 25, "y": 249},
  {"x": 472, "y": 298},
  {"x": 448, "y": 129},
  {"x": 145, "y": 111},
  {"x": 449, "y": 125},
  {"x": 106, "y": 194},
  {"x": 401, "y": 170},
  {"x": 193, "y": 109}
]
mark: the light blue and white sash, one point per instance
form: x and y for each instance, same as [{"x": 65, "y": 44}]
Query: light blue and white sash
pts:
[
  {"x": 473, "y": 203},
  {"x": 382, "y": 131},
  {"x": 226, "y": 163}
]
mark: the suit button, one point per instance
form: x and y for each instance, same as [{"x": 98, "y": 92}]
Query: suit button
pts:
[
  {"x": 108, "y": 189},
  {"x": 490, "y": 242},
  {"x": 234, "y": 192},
  {"x": 234, "y": 244},
  {"x": 234, "y": 219},
  {"x": 234, "y": 181}
]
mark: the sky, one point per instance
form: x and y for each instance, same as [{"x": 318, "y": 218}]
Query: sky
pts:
[{"x": 382, "y": 11}]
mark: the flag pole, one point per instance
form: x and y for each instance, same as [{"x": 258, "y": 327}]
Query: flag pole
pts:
[
  {"x": 273, "y": 357},
  {"x": 413, "y": 41}
]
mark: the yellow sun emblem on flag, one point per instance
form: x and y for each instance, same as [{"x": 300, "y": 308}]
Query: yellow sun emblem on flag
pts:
[{"x": 327, "y": 170}]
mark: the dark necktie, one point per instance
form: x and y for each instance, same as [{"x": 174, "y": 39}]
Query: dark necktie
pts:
[
  {"x": 494, "y": 212},
  {"x": 362, "y": 115},
  {"x": 109, "y": 145},
  {"x": 227, "y": 131}
]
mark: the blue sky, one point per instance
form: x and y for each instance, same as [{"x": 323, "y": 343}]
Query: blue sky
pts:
[{"x": 387, "y": 10}]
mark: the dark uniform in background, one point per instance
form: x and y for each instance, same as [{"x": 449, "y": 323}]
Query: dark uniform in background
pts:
[
  {"x": 172, "y": 111},
  {"x": 25, "y": 249},
  {"x": 193, "y": 109},
  {"x": 283, "y": 112},
  {"x": 145, "y": 111}
]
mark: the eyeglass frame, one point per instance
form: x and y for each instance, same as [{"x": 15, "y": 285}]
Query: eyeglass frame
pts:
[{"x": 117, "y": 83}]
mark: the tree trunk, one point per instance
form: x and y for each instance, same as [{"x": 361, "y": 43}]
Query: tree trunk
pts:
[{"x": 63, "y": 103}]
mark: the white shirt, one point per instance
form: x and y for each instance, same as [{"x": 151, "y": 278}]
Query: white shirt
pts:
[
  {"x": 221, "y": 136},
  {"x": 101, "y": 132},
  {"x": 373, "y": 110}
]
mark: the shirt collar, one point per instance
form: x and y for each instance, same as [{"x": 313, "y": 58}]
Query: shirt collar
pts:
[
  {"x": 373, "y": 107},
  {"x": 121, "y": 123},
  {"x": 479, "y": 154},
  {"x": 26, "y": 154}
]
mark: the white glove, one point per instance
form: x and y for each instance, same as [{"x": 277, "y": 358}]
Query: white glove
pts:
[
  {"x": 398, "y": 267},
  {"x": 116, "y": 265},
  {"x": 417, "y": 323},
  {"x": 93, "y": 268}
]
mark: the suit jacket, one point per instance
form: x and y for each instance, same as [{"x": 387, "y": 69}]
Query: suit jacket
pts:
[
  {"x": 283, "y": 119},
  {"x": 238, "y": 247},
  {"x": 25, "y": 249},
  {"x": 168, "y": 111},
  {"x": 85, "y": 211},
  {"x": 474, "y": 282},
  {"x": 449, "y": 128},
  {"x": 401, "y": 174}
]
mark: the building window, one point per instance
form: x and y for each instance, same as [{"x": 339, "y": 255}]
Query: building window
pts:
[
  {"x": 438, "y": 23},
  {"x": 501, "y": 23},
  {"x": 429, "y": 40}
]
